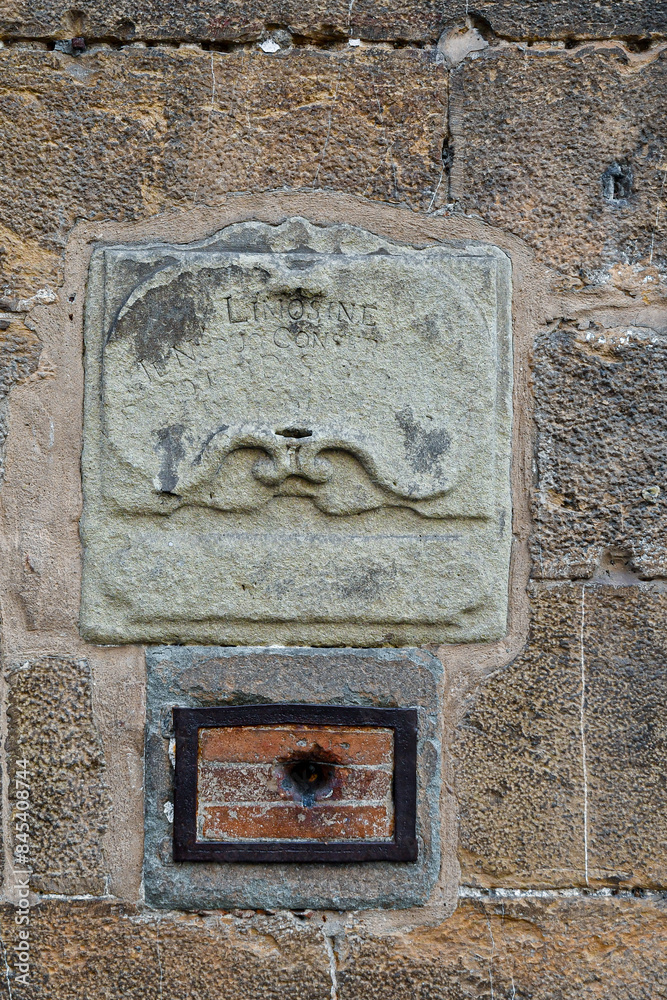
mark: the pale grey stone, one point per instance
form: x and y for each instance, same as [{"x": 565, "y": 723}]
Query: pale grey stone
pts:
[
  {"x": 198, "y": 676},
  {"x": 297, "y": 434}
]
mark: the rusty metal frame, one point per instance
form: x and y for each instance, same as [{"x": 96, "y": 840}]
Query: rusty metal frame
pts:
[{"x": 188, "y": 722}]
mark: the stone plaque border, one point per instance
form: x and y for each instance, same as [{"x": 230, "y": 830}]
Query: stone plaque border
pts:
[{"x": 244, "y": 678}]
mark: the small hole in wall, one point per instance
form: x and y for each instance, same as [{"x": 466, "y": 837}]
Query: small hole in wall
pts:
[
  {"x": 126, "y": 28},
  {"x": 617, "y": 182},
  {"x": 447, "y": 154},
  {"x": 75, "y": 21},
  {"x": 295, "y": 432},
  {"x": 638, "y": 44},
  {"x": 308, "y": 779}
]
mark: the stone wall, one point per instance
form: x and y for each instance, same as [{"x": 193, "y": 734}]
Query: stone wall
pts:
[{"x": 536, "y": 126}]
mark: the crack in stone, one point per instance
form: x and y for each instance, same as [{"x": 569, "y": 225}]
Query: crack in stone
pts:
[{"x": 329, "y": 942}]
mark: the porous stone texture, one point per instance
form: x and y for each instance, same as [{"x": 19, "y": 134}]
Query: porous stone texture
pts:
[
  {"x": 122, "y": 135},
  {"x": 278, "y": 399},
  {"x": 407, "y": 20},
  {"x": 601, "y": 413},
  {"x": 556, "y": 792},
  {"x": 50, "y": 724},
  {"x": 367, "y": 121},
  {"x": 545, "y": 949},
  {"x": 102, "y": 950},
  {"x": 19, "y": 352},
  {"x": 512, "y": 108},
  {"x": 191, "y": 676}
]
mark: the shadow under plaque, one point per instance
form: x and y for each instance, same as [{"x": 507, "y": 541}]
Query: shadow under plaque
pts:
[{"x": 332, "y": 802}]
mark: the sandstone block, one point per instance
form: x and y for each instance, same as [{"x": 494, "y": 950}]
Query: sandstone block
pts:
[
  {"x": 20, "y": 350},
  {"x": 105, "y": 951},
  {"x": 601, "y": 413},
  {"x": 51, "y": 725},
  {"x": 545, "y": 949},
  {"x": 126, "y": 134},
  {"x": 535, "y": 135},
  {"x": 560, "y": 777},
  {"x": 297, "y": 434},
  {"x": 413, "y": 20}
]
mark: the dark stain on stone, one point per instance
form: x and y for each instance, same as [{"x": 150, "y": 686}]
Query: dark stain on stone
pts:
[
  {"x": 430, "y": 329},
  {"x": 423, "y": 448},
  {"x": 206, "y": 682},
  {"x": 168, "y": 316},
  {"x": 301, "y": 263},
  {"x": 128, "y": 275},
  {"x": 247, "y": 243},
  {"x": 617, "y": 182},
  {"x": 170, "y": 443},
  {"x": 367, "y": 583}
]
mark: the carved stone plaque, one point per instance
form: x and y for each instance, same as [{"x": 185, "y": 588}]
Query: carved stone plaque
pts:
[{"x": 297, "y": 434}]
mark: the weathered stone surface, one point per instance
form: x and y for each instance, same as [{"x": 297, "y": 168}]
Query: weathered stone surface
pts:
[
  {"x": 126, "y": 134},
  {"x": 19, "y": 357},
  {"x": 19, "y": 352},
  {"x": 84, "y": 949},
  {"x": 527, "y": 813},
  {"x": 534, "y": 136},
  {"x": 601, "y": 412},
  {"x": 199, "y": 125},
  {"x": 297, "y": 434},
  {"x": 50, "y": 724},
  {"x": 191, "y": 676},
  {"x": 173, "y": 145},
  {"x": 545, "y": 949},
  {"x": 416, "y": 20}
]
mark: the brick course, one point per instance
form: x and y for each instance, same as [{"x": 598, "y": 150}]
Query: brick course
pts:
[{"x": 245, "y": 790}]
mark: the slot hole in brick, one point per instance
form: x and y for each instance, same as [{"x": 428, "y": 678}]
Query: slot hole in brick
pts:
[
  {"x": 295, "y": 432},
  {"x": 308, "y": 779}
]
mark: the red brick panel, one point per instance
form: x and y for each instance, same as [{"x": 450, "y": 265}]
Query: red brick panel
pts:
[
  {"x": 246, "y": 791},
  {"x": 289, "y": 821},
  {"x": 223, "y": 783},
  {"x": 265, "y": 744}
]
